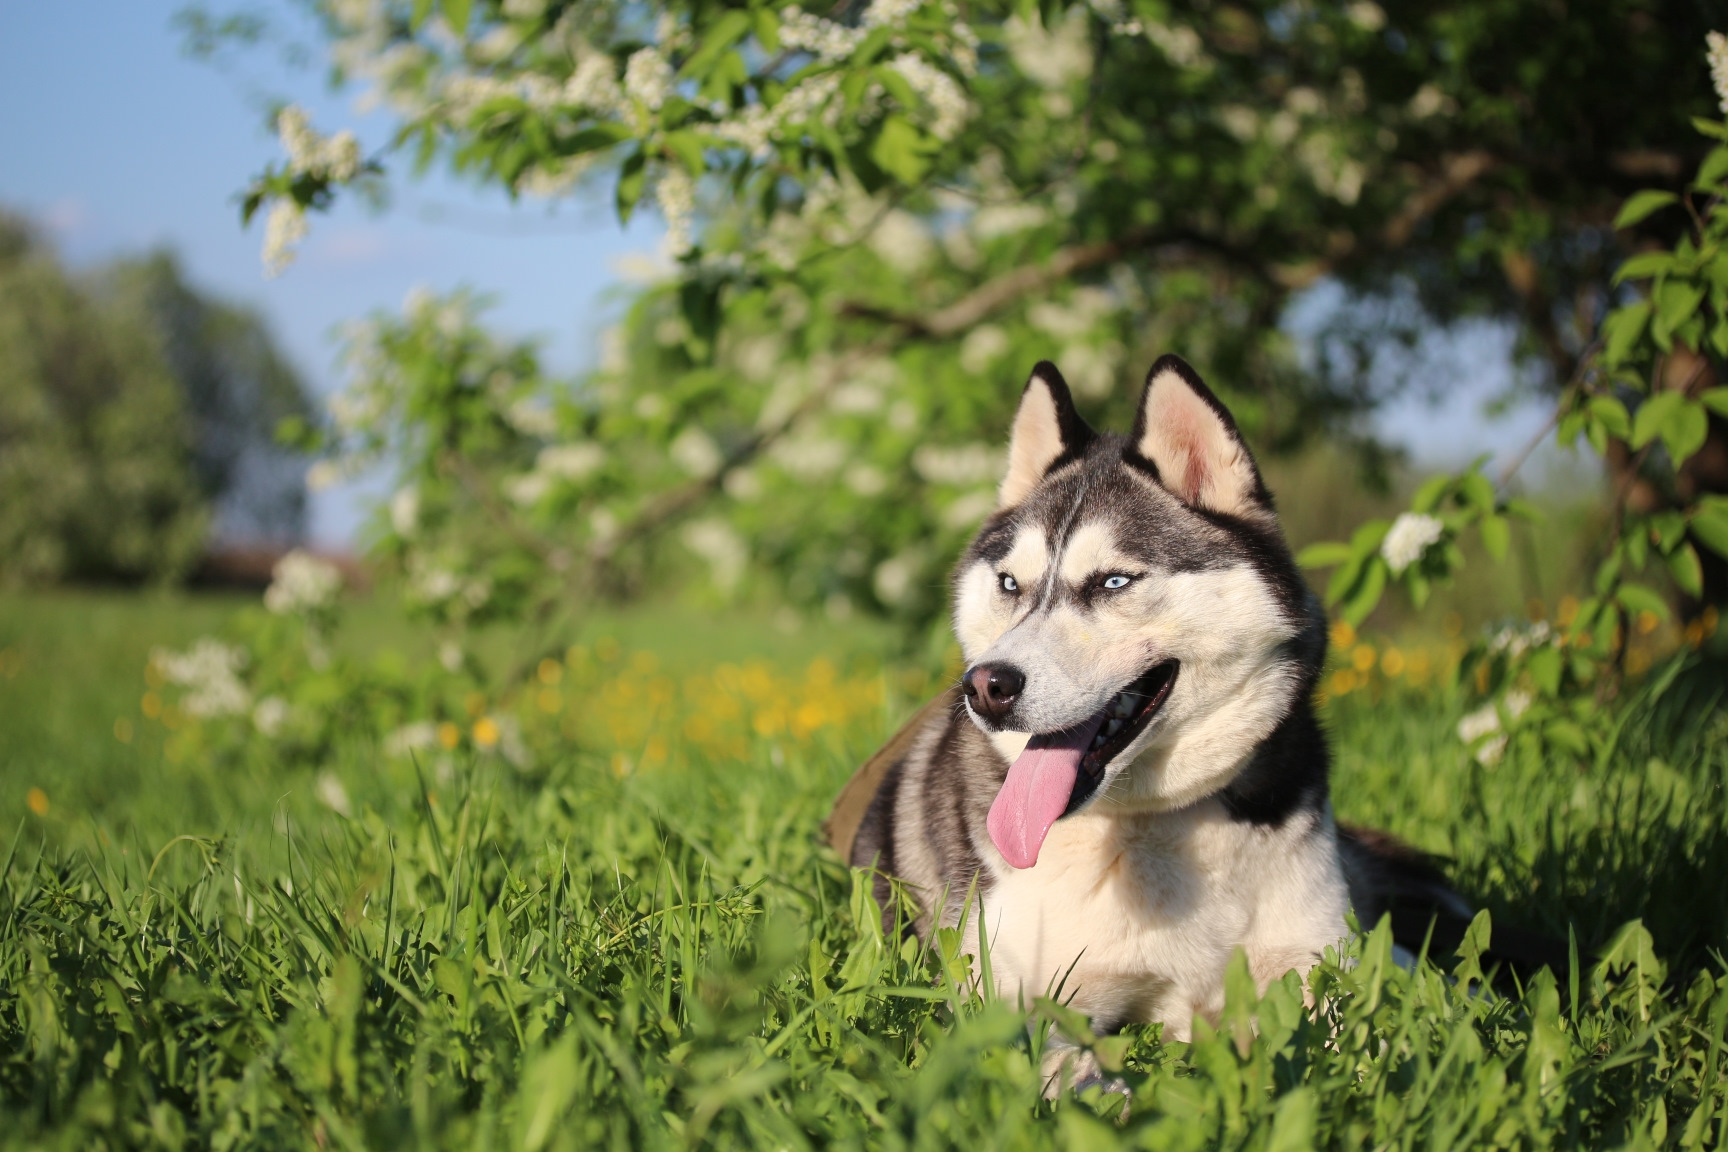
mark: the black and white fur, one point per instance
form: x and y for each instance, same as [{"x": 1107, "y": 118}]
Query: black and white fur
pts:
[{"x": 1208, "y": 826}]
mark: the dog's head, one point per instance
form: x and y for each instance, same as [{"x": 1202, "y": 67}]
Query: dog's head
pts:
[{"x": 1131, "y": 608}]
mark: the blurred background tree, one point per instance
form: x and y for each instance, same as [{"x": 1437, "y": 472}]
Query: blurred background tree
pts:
[
  {"x": 879, "y": 215},
  {"x": 137, "y": 421}
]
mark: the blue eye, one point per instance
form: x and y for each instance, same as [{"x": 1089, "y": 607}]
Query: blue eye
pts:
[
  {"x": 1117, "y": 581},
  {"x": 1009, "y": 584}
]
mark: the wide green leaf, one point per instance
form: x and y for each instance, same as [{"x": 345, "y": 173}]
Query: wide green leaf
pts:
[
  {"x": 1641, "y": 205},
  {"x": 1324, "y": 554}
]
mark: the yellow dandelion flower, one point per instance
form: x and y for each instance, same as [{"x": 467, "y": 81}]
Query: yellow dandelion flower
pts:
[
  {"x": 1392, "y": 662},
  {"x": 1343, "y": 634},
  {"x": 1566, "y": 611},
  {"x": 37, "y": 800},
  {"x": 475, "y": 703},
  {"x": 550, "y": 672},
  {"x": 1362, "y": 657},
  {"x": 1341, "y": 683},
  {"x": 549, "y": 699},
  {"x": 1647, "y": 621},
  {"x": 449, "y": 735},
  {"x": 123, "y": 730},
  {"x": 151, "y": 705},
  {"x": 486, "y": 732}
]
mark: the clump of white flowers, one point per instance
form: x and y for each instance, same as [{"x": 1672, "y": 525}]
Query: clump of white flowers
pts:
[
  {"x": 1716, "y": 52},
  {"x": 335, "y": 158},
  {"x": 284, "y": 228},
  {"x": 676, "y": 193},
  {"x": 1515, "y": 641},
  {"x": 1412, "y": 534},
  {"x": 209, "y": 672},
  {"x": 301, "y": 582},
  {"x": 271, "y": 715},
  {"x": 1485, "y": 722},
  {"x": 311, "y": 154}
]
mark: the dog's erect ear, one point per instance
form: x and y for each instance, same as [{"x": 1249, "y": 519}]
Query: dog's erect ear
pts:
[
  {"x": 1188, "y": 440},
  {"x": 1047, "y": 432}
]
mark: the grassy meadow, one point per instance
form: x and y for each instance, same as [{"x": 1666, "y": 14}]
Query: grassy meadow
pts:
[{"x": 599, "y": 914}]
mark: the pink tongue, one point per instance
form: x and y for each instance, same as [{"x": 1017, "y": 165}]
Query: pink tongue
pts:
[{"x": 1036, "y": 792}]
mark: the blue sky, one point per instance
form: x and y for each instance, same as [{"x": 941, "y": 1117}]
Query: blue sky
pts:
[{"x": 119, "y": 142}]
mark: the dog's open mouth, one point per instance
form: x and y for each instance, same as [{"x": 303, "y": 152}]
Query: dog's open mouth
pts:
[{"x": 1059, "y": 771}]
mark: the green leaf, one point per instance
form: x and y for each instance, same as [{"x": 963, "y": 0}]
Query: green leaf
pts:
[
  {"x": 1715, "y": 399},
  {"x": 1478, "y": 491},
  {"x": 1612, "y": 415},
  {"x": 1623, "y": 329},
  {"x": 1684, "y": 430},
  {"x": 1545, "y": 665},
  {"x": 1653, "y": 417},
  {"x": 1713, "y": 171},
  {"x": 1643, "y": 266},
  {"x": 593, "y": 139},
  {"x": 1640, "y": 598},
  {"x": 456, "y": 15},
  {"x": 1641, "y": 205},
  {"x": 1676, "y": 301},
  {"x": 1368, "y": 592},
  {"x": 900, "y": 149},
  {"x": 687, "y": 147},
  {"x": 417, "y": 17},
  {"x": 1323, "y": 555},
  {"x": 727, "y": 31},
  {"x": 632, "y": 180},
  {"x": 767, "y": 28},
  {"x": 1709, "y": 525},
  {"x": 1567, "y": 736},
  {"x": 1688, "y": 573},
  {"x": 1496, "y": 535},
  {"x": 1429, "y": 494}
]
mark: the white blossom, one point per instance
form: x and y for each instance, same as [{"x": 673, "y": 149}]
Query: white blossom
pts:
[
  {"x": 323, "y": 474},
  {"x": 1717, "y": 54},
  {"x": 405, "y": 510},
  {"x": 895, "y": 580},
  {"x": 593, "y": 86},
  {"x": 695, "y": 452},
  {"x": 328, "y": 788},
  {"x": 648, "y": 78},
  {"x": 947, "y": 100},
  {"x": 570, "y": 461},
  {"x": 270, "y": 716},
  {"x": 983, "y": 346},
  {"x": 284, "y": 228},
  {"x": 209, "y": 671},
  {"x": 676, "y": 193},
  {"x": 311, "y": 154},
  {"x": 301, "y": 582},
  {"x": 715, "y": 541},
  {"x": 420, "y": 736},
  {"x": 1367, "y": 15},
  {"x": 958, "y": 465},
  {"x": 1515, "y": 641},
  {"x": 1409, "y": 537},
  {"x": 901, "y": 241}
]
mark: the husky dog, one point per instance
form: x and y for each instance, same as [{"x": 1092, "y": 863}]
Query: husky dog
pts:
[{"x": 1130, "y": 780}]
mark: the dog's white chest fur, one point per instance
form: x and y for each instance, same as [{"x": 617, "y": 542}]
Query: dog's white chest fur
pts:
[{"x": 1135, "y": 918}]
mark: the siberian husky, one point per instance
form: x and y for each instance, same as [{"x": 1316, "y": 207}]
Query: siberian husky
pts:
[{"x": 1130, "y": 782}]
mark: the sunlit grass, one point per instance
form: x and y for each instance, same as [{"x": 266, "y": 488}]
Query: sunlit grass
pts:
[{"x": 595, "y": 909}]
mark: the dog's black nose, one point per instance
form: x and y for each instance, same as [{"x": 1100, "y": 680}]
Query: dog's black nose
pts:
[{"x": 993, "y": 688}]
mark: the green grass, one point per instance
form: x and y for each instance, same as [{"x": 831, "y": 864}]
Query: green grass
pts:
[{"x": 204, "y": 954}]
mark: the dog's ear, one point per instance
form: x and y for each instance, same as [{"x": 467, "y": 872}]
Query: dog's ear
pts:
[
  {"x": 1047, "y": 432},
  {"x": 1187, "y": 439}
]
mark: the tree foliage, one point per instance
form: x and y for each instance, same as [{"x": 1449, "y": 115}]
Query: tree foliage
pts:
[
  {"x": 878, "y": 216},
  {"x": 133, "y": 412}
]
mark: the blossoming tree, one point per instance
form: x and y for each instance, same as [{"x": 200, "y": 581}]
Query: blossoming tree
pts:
[{"x": 879, "y": 214}]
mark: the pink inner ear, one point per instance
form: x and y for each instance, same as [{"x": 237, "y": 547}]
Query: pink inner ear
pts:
[{"x": 1187, "y": 442}]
